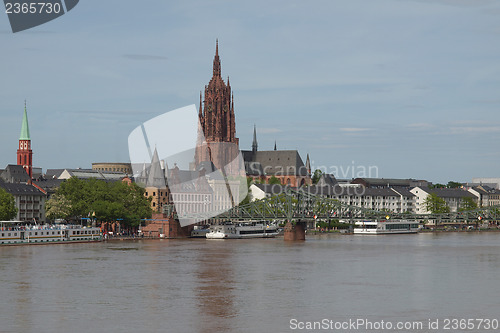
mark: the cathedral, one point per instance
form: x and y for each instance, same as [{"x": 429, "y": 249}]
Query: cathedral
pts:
[
  {"x": 218, "y": 146},
  {"x": 217, "y": 141}
]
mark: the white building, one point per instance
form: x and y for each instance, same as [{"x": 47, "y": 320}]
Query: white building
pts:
[{"x": 452, "y": 196}]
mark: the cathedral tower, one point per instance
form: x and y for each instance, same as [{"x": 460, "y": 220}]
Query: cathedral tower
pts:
[{"x": 216, "y": 116}]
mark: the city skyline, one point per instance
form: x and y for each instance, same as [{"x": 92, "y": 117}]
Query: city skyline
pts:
[{"x": 406, "y": 86}]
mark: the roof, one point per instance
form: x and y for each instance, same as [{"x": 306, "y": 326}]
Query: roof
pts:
[
  {"x": 89, "y": 173},
  {"x": 327, "y": 179},
  {"x": 25, "y": 130},
  {"x": 389, "y": 182},
  {"x": 186, "y": 181},
  {"x": 21, "y": 189},
  {"x": 14, "y": 173},
  {"x": 49, "y": 184},
  {"x": 403, "y": 191},
  {"x": 448, "y": 192},
  {"x": 53, "y": 173},
  {"x": 254, "y": 169},
  {"x": 337, "y": 191},
  {"x": 278, "y": 162},
  {"x": 156, "y": 176}
]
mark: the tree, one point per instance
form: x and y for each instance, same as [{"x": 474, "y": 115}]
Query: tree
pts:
[
  {"x": 435, "y": 204},
  {"x": 274, "y": 181},
  {"x": 105, "y": 201},
  {"x": 452, "y": 184},
  {"x": 8, "y": 209},
  {"x": 467, "y": 204},
  {"x": 316, "y": 176},
  {"x": 58, "y": 207}
]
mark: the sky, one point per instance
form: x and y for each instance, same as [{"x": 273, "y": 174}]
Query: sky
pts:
[{"x": 386, "y": 88}]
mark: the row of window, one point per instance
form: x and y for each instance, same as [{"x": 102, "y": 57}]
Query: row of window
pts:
[
  {"x": 48, "y": 233},
  {"x": 40, "y": 241}
]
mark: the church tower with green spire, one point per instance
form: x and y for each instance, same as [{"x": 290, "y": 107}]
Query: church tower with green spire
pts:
[{"x": 24, "y": 152}]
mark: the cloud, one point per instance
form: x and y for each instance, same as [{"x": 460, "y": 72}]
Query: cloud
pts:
[
  {"x": 355, "y": 129},
  {"x": 144, "y": 57},
  {"x": 474, "y": 129},
  {"x": 420, "y": 126}
]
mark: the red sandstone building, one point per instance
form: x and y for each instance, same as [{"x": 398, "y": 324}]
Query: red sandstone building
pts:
[{"x": 221, "y": 146}]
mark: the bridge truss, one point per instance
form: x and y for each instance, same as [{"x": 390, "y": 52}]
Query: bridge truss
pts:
[{"x": 301, "y": 206}]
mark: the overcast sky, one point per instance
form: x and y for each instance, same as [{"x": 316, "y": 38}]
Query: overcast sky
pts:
[{"x": 411, "y": 87}]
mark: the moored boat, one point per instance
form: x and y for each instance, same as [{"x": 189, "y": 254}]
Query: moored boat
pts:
[
  {"x": 250, "y": 229},
  {"x": 18, "y": 233},
  {"x": 386, "y": 227}
]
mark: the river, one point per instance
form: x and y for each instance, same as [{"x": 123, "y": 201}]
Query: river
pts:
[{"x": 257, "y": 285}]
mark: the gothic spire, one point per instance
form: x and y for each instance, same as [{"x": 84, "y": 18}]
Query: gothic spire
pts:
[
  {"x": 217, "y": 71},
  {"x": 254, "y": 143},
  {"x": 25, "y": 130},
  {"x": 275, "y": 145},
  {"x": 308, "y": 164}
]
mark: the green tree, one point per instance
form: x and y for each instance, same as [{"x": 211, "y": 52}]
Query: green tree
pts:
[
  {"x": 452, "y": 184},
  {"x": 435, "y": 204},
  {"x": 8, "y": 209},
  {"x": 58, "y": 207},
  {"x": 105, "y": 201},
  {"x": 274, "y": 181},
  {"x": 316, "y": 176},
  {"x": 467, "y": 204}
]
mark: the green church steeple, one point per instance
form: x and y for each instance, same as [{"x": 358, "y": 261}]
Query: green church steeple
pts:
[{"x": 25, "y": 130}]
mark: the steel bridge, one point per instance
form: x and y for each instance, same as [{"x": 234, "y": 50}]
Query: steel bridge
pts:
[{"x": 298, "y": 205}]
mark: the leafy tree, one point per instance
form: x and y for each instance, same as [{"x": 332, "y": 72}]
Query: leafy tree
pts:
[
  {"x": 8, "y": 209},
  {"x": 437, "y": 186},
  {"x": 452, "y": 184},
  {"x": 105, "y": 201},
  {"x": 58, "y": 207},
  {"x": 274, "y": 181},
  {"x": 316, "y": 176},
  {"x": 467, "y": 204},
  {"x": 435, "y": 204}
]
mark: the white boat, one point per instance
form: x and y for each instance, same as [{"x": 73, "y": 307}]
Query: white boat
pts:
[
  {"x": 386, "y": 227},
  {"x": 18, "y": 233},
  {"x": 251, "y": 229}
]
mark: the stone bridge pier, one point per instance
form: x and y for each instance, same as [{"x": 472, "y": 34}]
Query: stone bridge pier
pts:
[{"x": 295, "y": 231}]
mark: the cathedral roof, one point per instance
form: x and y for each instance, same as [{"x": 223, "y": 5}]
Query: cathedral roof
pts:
[{"x": 278, "y": 162}]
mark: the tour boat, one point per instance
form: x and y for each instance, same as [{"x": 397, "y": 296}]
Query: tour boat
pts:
[
  {"x": 18, "y": 233},
  {"x": 386, "y": 227},
  {"x": 251, "y": 229}
]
